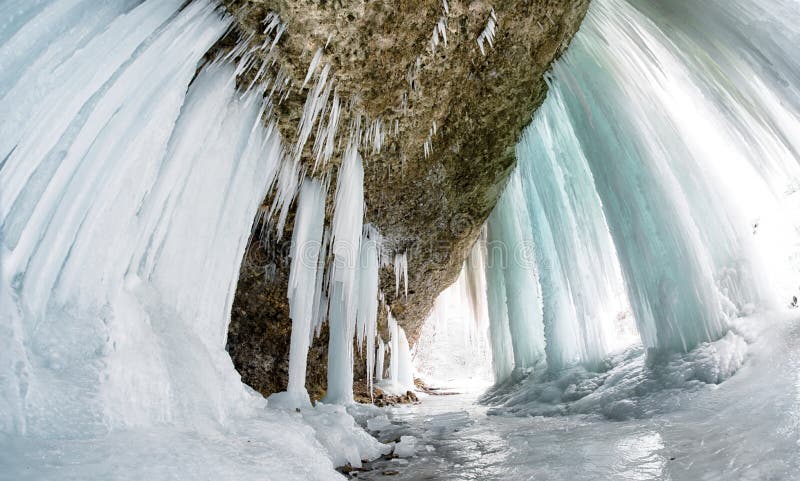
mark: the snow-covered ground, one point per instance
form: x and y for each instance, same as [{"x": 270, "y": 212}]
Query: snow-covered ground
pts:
[
  {"x": 746, "y": 428},
  {"x": 268, "y": 444}
]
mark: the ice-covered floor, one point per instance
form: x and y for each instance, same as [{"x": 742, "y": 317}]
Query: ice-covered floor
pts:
[{"x": 745, "y": 428}]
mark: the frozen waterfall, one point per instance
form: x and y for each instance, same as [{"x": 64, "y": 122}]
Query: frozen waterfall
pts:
[
  {"x": 641, "y": 178},
  {"x": 132, "y": 169}
]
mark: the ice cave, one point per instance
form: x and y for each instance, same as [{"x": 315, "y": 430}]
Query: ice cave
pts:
[{"x": 399, "y": 240}]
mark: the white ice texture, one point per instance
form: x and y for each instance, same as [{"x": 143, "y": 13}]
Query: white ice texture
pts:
[
  {"x": 639, "y": 184},
  {"x": 646, "y": 176},
  {"x": 128, "y": 185}
]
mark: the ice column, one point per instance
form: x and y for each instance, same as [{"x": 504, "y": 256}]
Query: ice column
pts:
[
  {"x": 304, "y": 271},
  {"x": 367, "y": 313},
  {"x": 343, "y": 301},
  {"x": 511, "y": 254}
]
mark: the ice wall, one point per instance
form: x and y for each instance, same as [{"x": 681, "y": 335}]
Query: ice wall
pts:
[
  {"x": 132, "y": 169},
  {"x": 669, "y": 130},
  {"x": 499, "y": 332},
  {"x": 514, "y": 281},
  {"x": 671, "y": 151},
  {"x": 116, "y": 183},
  {"x": 582, "y": 290}
]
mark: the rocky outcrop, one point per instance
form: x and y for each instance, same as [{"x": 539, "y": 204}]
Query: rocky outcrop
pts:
[{"x": 448, "y": 96}]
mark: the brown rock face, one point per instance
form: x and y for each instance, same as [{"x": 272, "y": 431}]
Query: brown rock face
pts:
[{"x": 465, "y": 107}]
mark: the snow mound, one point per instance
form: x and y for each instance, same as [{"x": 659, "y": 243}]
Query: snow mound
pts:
[
  {"x": 344, "y": 440},
  {"x": 633, "y": 385}
]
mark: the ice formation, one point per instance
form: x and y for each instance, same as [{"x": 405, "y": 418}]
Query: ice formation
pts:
[
  {"x": 105, "y": 179},
  {"x": 306, "y": 268},
  {"x": 622, "y": 196},
  {"x": 401, "y": 367},
  {"x": 344, "y": 282},
  {"x": 124, "y": 168},
  {"x": 400, "y": 273},
  {"x": 488, "y": 32},
  {"x": 367, "y": 312},
  {"x": 406, "y": 448},
  {"x": 647, "y": 182},
  {"x": 649, "y": 176},
  {"x": 380, "y": 360},
  {"x": 514, "y": 281}
]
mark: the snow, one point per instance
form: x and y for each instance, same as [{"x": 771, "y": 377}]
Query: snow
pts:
[
  {"x": 631, "y": 386},
  {"x": 407, "y": 447},
  {"x": 344, "y": 440},
  {"x": 744, "y": 428}
]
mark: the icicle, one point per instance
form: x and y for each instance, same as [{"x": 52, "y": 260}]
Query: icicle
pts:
[
  {"x": 394, "y": 346},
  {"x": 315, "y": 103},
  {"x": 487, "y": 35},
  {"x": 400, "y": 271},
  {"x": 511, "y": 247},
  {"x": 345, "y": 247},
  {"x": 583, "y": 281},
  {"x": 287, "y": 185},
  {"x": 367, "y": 313},
  {"x": 321, "y": 287},
  {"x": 303, "y": 282},
  {"x": 401, "y": 371},
  {"x": 405, "y": 367},
  {"x": 674, "y": 208},
  {"x": 499, "y": 332},
  {"x": 380, "y": 360},
  {"x": 312, "y": 67}
]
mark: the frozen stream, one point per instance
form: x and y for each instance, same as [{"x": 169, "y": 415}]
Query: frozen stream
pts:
[{"x": 746, "y": 428}]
